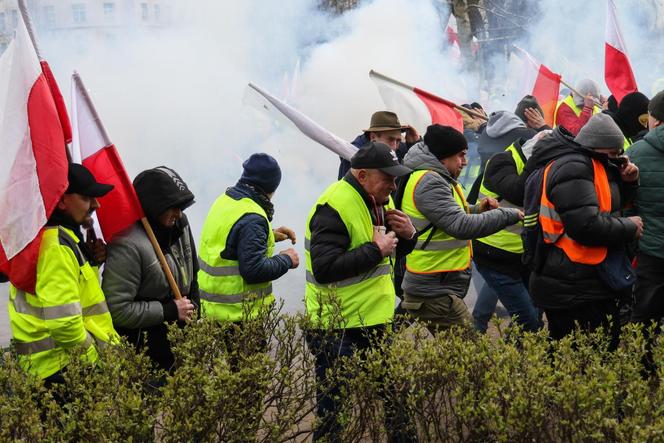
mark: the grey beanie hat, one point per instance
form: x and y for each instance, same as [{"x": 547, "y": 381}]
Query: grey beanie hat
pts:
[{"x": 600, "y": 132}]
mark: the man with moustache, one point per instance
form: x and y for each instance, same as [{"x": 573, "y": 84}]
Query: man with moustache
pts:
[
  {"x": 352, "y": 233},
  {"x": 68, "y": 308}
]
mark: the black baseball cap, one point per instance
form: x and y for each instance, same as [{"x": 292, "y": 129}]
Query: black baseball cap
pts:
[
  {"x": 81, "y": 181},
  {"x": 378, "y": 155}
]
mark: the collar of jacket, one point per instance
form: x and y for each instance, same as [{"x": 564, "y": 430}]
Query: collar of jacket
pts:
[
  {"x": 350, "y": 178},
  {"x": 243, "y": 190}
]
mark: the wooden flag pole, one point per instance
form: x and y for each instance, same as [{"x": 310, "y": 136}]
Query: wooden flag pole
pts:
[
  {"x": 597, "y": 103},
  {"x": 144, "y": 221},
  {"x": 449, "y": 103},
  {"x": 162, "y": 259}
]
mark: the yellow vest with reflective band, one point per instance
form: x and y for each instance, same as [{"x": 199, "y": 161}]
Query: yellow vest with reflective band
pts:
[
  {"x": 439, "y": 252},
  {"x": 364, "y": 300},
  {"x": 67, "y": 310},
  {"x": 569, "y": 101},
  {"x": 225, "y": 295},
  {"x": 508, "y": 239},
  {"x": 626, "y": 144}
]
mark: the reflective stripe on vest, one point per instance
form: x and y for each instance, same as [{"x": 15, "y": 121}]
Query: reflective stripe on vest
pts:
[
  {"x": 435, "y": 250},
  {"x": 508, "y": 239},
  {"x": 45, "y": 344},
  {"x": 569, "y": 101},
  {"x": 553, "y": 229},
  {"x": 366, "y": 299},
  {"x": 223, "y": 291}
]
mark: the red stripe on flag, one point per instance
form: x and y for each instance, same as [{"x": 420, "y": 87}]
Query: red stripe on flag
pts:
[
  {"x": 442, "y": 111},
  {"x": 546, "y": 90},
  {"x": 120, "y": 208},
  {"x": 618, "y": 73},
  {"x": 48, "y": 148},
  {"x": 59, "y": 101}
]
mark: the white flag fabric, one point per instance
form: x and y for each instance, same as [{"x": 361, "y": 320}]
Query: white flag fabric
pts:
[{"x": 309, "y": 127}]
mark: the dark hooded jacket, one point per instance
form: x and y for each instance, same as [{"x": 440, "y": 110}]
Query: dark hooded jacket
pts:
[
  {"x": 561, "y": 283},
  {"x": 648, "y": 155},
  {"x": 136, "y": 289}
]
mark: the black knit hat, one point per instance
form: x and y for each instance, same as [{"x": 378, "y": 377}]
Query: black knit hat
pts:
[
  {"x": 263, "y": 171},
  {"x": 444, "y": 141},
  {"x": 656, "y": 106},
  {"x": 527, "y": 101}
]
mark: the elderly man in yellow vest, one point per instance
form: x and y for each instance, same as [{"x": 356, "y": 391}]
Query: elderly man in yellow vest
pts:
[
  {"x": 352, "y": 234},
  {"x": 438, "y": 270},
  {"x": 68, "y": 308},
  {"x": 235, "y": 252}
]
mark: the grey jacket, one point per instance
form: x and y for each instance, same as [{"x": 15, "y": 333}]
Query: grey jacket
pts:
[
  {"x": 135, "y": 286},
  {"x": 435, "y": 200}
]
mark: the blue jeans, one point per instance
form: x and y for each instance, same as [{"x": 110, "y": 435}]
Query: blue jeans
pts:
[{"x": 512, "y": 293}]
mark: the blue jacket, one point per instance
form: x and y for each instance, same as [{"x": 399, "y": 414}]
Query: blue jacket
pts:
[{"x": 247, "y": 241}]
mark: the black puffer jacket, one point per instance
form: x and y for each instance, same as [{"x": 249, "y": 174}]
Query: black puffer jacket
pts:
[
  {"x": 330, "y": 258},
  {"x": 561, "y": 283}
]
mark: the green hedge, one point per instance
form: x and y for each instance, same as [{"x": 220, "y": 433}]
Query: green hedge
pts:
[{"x": 232, "y": 385}]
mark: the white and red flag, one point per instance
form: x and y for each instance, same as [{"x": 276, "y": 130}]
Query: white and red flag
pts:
[
  {"x": 305, "y": 124},
  {"x": 617, "y": 69},
  {"x": 415, "y": 106},
  {"x": 92, "y": 147},
  {"x": 542, "y": 83},
  {"x": 33, "y": 171}
]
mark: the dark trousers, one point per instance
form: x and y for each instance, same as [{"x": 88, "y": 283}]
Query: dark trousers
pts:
[
  {"x": 155, "y": 339},
  {"x": 589, "y": 317},
  {"x": 649, "y": 301},
  {"x": 328, "y": 349}
]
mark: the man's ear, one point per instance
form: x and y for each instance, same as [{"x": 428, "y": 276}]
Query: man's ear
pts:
[
  {"x": 362, "y": 176},
  {"x": 61, "y": 203}
]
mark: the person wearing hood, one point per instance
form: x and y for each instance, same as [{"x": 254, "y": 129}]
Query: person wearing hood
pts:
[
  {"x": 631, "y": 117},
  {"x": 138, "y": 294},
  {"x": 237, "y": 245},
  {"x": 67, "y": 309},
  {"x": 503, "y": 129},
  {"x": 576, "y": 109},
  {"x": 648, "y": 155},
  {"x": 498, "y": 256},
  {"x": 438, "y": 269},
  {"x": 584, "y": 270},
  {"x": 384, "y": 128}
]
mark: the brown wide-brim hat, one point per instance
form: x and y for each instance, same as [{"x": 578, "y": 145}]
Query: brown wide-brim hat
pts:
[{"x": 385, "y": 121}]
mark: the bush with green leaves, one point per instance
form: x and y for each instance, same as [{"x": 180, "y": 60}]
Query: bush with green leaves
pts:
[{"x": 256, "y": 382}]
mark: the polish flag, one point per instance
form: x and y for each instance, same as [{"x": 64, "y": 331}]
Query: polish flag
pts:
[
  {"x": 92, "y": 147},
  {"x": 542, "y": 83},
  {"x": 617, "y": 70},
  {"x": 33, "y": 170},
  {"x": 415, "y": 106}
]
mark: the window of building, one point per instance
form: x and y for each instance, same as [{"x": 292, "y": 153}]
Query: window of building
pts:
[
  {"x": 3, "y": 27},
  {"x": 78, "y": 12},
  {"x": 109, "y": 10},
  {"x": 49, "y": 17},
  {"x": 144, "y": 11},
  {"x": 157, "y": 12}
]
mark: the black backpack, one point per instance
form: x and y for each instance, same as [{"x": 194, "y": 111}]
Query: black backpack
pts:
[{"x": 534, "y": 248}]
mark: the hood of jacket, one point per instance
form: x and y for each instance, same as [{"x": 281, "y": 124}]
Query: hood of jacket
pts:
[
  {"x": 502, "y": 122},
  {"x": 419, "y": 157},
  {"x": 552, "y": 145},
  {"x": 161, "y": 188}
]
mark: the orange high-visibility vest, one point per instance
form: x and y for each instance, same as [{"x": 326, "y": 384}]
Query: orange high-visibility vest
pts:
[{"x": 552, "y": 225}]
